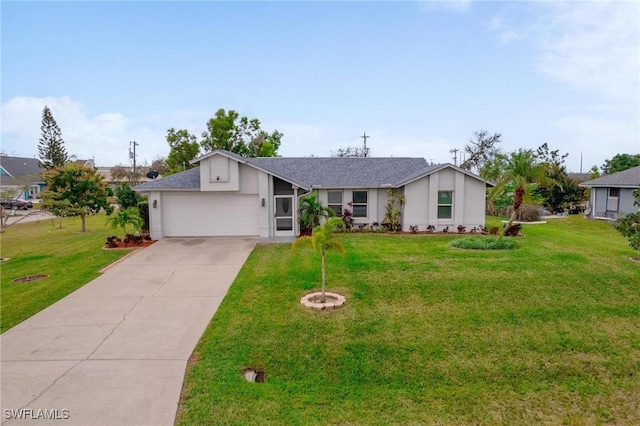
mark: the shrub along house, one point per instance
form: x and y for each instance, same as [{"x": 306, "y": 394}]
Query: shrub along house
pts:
[
  {"x": 612, "y": 194},
  {"x": 229, "y": 195}
]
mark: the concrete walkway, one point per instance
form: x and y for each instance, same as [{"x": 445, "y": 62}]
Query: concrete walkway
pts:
[{"x": 114, "y": 352}]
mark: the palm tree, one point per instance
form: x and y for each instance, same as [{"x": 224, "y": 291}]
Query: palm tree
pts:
[
  {"x": 323, "y": 240},
  {"x": 122, "y": 218},
  {"x": 311, "y": 211},
  {"x": 521, "y": 168}
]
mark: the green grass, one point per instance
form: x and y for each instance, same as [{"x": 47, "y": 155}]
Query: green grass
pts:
[
  {"x": 547, "y": 333},
  {"x": 69, "y": 257}
]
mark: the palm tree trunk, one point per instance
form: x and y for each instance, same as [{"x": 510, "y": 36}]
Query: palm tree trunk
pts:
[
  {"x": 324, "y": 277},
  {"x": 517, "y": 202}
]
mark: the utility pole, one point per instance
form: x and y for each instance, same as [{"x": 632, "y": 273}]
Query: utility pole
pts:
[
  {"x": 132, "y": 155},
  {"x": 366, "y": 150},
  {"x": 454, "y": 151}
]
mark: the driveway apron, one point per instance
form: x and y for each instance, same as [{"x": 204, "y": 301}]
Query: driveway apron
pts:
[{"x": 114, "y": 352}]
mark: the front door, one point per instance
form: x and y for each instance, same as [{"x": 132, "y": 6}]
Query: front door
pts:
[{"x": 284, "y": 215}]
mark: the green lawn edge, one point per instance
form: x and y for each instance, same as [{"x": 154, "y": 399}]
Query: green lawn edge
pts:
[
  {"x": 545, "y": 333},
  {"x": 70, "y": 258}
]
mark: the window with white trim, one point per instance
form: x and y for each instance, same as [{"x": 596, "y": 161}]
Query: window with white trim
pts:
[
  {"x": 334, "y": 201},
  {"x": 445, "y": 204},
  {"x": 360, "y": 202}
]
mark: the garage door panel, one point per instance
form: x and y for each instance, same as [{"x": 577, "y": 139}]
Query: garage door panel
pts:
[{"x": 210, "y": 214}]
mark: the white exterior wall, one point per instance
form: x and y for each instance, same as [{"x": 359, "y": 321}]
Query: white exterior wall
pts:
[
  {"x": 416, "y": 210},
  {"x": 421, "y": 208},
  {"x": 155, "y": 215},
  {"x": 219, "y": 166},
  {"x": 475, "y": 202},
  {"x": 376, "y": 200},
  {"x": 266, "y": 204}
]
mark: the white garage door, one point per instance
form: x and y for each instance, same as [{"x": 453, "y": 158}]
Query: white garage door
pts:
[{"x": 210, "y": 215}]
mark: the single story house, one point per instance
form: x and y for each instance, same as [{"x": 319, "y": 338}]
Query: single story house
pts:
[
  {"x": 21, "y": 177},
  {"x": 229, "y": 195},
  {"x": 612, "y": 194}
]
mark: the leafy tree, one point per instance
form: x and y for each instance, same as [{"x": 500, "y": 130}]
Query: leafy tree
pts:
[
  {"x": 311, "y": 211},
  {"x": 122, "y": 218},
  {"x": 351, "y": 151},
  {"x": 629, "y": 224},
  {"x": 51, "y": 146},
  {"x": 241, "y": 135},
  {"x": 620, "y": 162},
  {"x": 556, "y": 189},
  {"x": 121, "y": 172},
  {"x": 81, "y": 187},
  {"x": 522, "y": 168},
  {"x": 481, "y": 150},
  {"x": 323, "y": 240},
  {"x": 159, "y": 164},
  {"x": 126, "y": 196},
  {"x": 54, "y": 204},
  {"x": 184, "y": 148}
]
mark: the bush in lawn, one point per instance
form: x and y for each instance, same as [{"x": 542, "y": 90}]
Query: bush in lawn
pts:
[{"x": 483, "y": 243}]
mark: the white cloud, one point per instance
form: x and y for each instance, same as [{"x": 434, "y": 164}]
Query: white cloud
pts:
[
  {"x": 593, "y": 46},
  {"x": 104, "y": 137},
  {"x": 600, "y": 138}
]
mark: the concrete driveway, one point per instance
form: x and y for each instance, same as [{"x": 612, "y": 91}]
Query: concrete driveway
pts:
[{"x": 115, "y": 351}]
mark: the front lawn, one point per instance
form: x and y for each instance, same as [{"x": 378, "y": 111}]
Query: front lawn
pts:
[
  {"x": 546, "y": 333},
  {"x": 69, "y": 257}
]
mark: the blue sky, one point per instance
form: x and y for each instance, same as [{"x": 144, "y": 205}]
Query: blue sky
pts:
[{"x": 419, "y": 77}]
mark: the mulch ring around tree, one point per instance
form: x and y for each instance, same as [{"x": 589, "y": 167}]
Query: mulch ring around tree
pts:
[
  {"x": 129, "y": 242},
  {"x": 30, "y": 279}
]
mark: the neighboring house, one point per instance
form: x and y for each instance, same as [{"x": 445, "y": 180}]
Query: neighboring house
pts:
[
  {"x": 105, "y": 172},
  {"x": 613, "y": 194},
  {"x": 22, "y": 176},
  {"x": 232, "y": 195}
]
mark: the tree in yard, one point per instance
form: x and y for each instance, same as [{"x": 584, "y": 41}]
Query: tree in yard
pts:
[
  {"x": 521, "y": 168},
  {"x": 51, "y": 146},
  {"x": 240, "y": 135},
  {"x": 557, "y": 189},
  {"x": 481, "y": 150},
  {"x": 159, "y": 164},
  {"x": 126, "y": 196},
  {"x": 620, "y": 162},
  {"x": 351, "y": 151},
  {"x": 51, "y": 202},
  {"x": 122, "y": 218},
  {"x": 311, "y": 212},
  {"x": 184, "y": 148},
  {"x": 81, "y": 187},
  {"x": 121, "y": 172},
  {"x": 323, "y": 240},
  {"x": 629, "y": 224}
]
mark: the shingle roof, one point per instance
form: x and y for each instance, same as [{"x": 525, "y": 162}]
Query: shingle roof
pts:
[
  {"x": 629, "y": 178},
  {"x": 307, "y": 172},
  {"x": 368, "y": 172},
  {"x": 20, "y": 166},
  {"x": 189, "y": 179}
]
